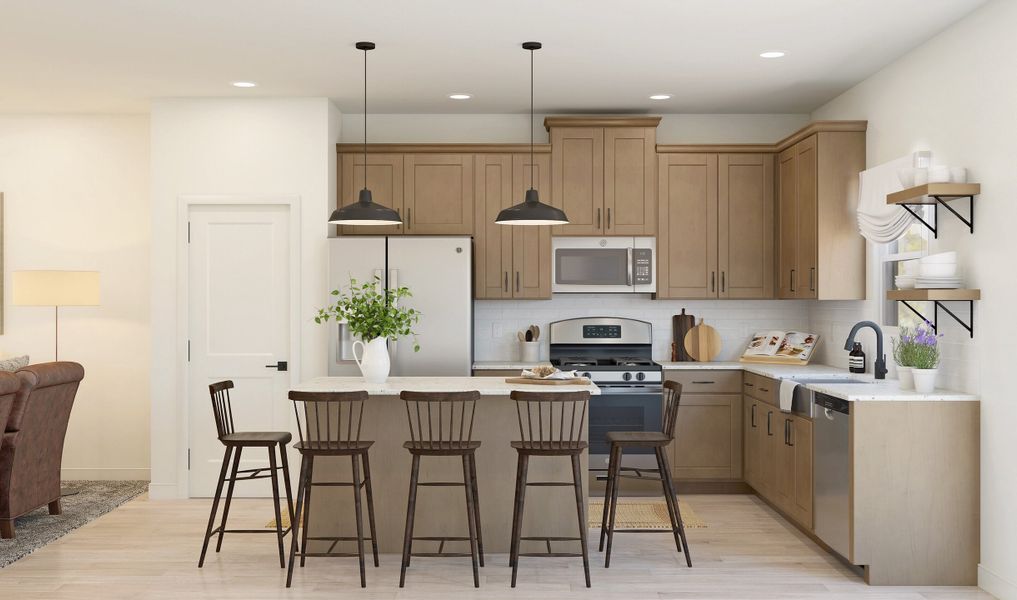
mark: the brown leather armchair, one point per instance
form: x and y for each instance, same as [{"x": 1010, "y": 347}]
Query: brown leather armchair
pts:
[{"x": 33, "y": 440}]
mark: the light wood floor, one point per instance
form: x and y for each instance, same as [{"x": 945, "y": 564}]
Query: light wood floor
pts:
[{"x": 148, "y": 549}]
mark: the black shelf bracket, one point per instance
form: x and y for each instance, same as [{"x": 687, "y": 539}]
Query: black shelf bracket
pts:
[
  {"x": 936, "y": 306},
  {"x": 934, "y": 226}
]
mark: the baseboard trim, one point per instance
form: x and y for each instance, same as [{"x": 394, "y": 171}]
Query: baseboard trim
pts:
[
  {"x": 996, "y": 585},
  {"x": 106, "y": 474},
  {"x": 163, "y": 491}
]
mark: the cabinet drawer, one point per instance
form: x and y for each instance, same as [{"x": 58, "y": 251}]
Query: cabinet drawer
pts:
[
  {"x": 761, "y": 388},
  {"x": 707, "y": 381}
]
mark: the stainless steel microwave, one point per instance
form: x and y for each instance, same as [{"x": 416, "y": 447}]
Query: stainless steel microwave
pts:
[{"x": 602, "y": 265}]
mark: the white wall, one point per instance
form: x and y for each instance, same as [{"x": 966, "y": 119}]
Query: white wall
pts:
[
  {"x": 253, "y": 147},
  {"x": 76, "y": 197},
  {"x": 514, "y": 128},
  {"x": 497, "y": 321},
  {"x": 957, "y": 96}
]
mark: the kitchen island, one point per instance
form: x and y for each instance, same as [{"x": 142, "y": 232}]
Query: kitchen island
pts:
[{"x": 441, "y": 511}]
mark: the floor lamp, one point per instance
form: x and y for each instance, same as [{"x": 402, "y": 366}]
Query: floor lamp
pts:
[{"x": 56, "y": 289}]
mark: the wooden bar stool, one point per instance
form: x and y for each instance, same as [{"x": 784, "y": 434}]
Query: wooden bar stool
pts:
[
  {"x": 550, "y": 424},
  {"x": 620, "y": 440},
  {"x": 331, "y": 426},
  {"x": 441, "y": 424},
  {"x": 235, "y": 442}
]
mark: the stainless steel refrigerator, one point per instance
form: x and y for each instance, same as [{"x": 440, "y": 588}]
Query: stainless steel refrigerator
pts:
[{"x": 438, "y": 271}]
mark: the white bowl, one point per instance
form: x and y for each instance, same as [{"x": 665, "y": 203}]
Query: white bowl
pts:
[
  {"x": 939, "y": 174},
  {"x": 906, "y": 175},
  {"x": 939, "y": 258},
  {"x": 905, "y": 283},
  {"x": 937, "y": 270}
]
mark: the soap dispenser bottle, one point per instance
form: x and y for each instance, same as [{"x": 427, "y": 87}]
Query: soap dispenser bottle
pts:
[{"x": 856, "y": 359}]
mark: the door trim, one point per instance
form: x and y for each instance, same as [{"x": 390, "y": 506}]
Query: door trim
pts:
[{"x": 184, "y": 204}]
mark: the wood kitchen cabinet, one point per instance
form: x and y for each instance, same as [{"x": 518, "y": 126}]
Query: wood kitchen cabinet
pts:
[
  {"x": 510, "y": 261},
  {"x": 708, "y": 437},
  {"x": 793, "y": 490},
  {"x": 438, "y": 194},
  {"x": 716, "y": 219},
  {"x": 604, "y": 174},
  {"x": 384, "y": 179},
  {"x": 820, "y": 253}
]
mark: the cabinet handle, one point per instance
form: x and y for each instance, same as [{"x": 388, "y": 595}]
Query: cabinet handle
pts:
[
  {"x": 409, "y": 219},
  {"x": 747, "y": 384},
  {"x": 598, "y": 218},
  {"x": 764, "y": 390},
  {"x": 704, "y": 382},
  {"x": 812, "y": 279},
  {"x": 769, "y": 424},
  {"x": 790, "y": 433},
  {"x": 786, "y": 441},
  {"x": 609, "y": 218},
  {"x": 506, "y": 281},
  {"x": 753, "y": 419},
  {"x": 723, "y": 284},
  {"x": 713, "y": 281},
  {"x": 517, "y": 281},
  {"x": 792, "y": 280}
]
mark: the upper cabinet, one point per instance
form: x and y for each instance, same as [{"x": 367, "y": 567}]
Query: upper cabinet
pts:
[
  {"x": 603, "y": 174},
  {"x": 716, "y": 219},
  {"x": 438, "y": 194},
  {"x": 820, "y": 253},
  {"x": 510, "y": 261}
]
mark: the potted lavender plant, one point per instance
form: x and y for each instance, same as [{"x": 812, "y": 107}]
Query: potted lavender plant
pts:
[
  {"x": 924, "y": 358},
  {"x": 903, "y": 355}
]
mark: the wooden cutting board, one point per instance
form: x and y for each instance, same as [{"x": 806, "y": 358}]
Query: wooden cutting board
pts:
[
  {"x": 703, "y": 342},
  {"x": 527, "y": 380},
  {"x": 680, "y": 327}
]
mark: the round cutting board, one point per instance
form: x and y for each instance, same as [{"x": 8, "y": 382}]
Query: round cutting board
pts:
[{"x": 702, "y": 342}]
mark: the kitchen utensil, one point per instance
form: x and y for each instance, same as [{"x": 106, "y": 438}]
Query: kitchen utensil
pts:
[
  {"x": 958, "y": 175},
  {"x": 702, "y": 342},
  {"x": 521, "y": 336},
  {"x": 529, "y": 351},
  {"x": 528, "y": 336},
  {"x": 531, "y": 381},
  {"x": 536, "y": 332},
  {"x": 681, "y": 324}
]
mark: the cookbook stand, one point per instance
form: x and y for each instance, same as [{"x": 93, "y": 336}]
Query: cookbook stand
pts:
[{"x": 781, "y": 360}]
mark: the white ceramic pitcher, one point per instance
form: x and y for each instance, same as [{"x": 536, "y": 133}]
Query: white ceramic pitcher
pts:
[{"x": 373, "y": 360}]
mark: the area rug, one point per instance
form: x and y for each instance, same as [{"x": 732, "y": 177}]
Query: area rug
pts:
[
  {"x": 636, "y": 513},
  {"x": 633, "y": 513},
  {"x": 91, "y": 500}
]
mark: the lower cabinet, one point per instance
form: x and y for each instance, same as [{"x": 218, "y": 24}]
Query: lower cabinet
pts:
[
  {"x": 708, "y": 436},
  {"x": 778, "y": 458}
]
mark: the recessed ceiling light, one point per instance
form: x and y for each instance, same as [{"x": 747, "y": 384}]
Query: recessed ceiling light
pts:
[
  {"x": 771, "y": 54},
  {"x": 244, "y": 84},
  {"x": 460, "y": 96},
  {"x": 660, "y": 97}
]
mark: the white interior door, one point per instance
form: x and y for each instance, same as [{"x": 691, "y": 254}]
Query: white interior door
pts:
[{"x": 239, "y": 323}]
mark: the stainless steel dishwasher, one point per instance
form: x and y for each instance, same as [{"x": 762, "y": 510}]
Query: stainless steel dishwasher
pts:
[{"x": 832, "y": 472}]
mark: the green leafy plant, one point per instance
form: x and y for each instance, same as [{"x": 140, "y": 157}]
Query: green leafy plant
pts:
[
  {"x": 372, "y": 312},
  {"x": 917, "y": 348}
]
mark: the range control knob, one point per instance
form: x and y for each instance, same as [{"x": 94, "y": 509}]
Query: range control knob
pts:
[
  {"x": 640, "y": 376},
  {"x": 627, "y": 376},
  {"x": 586, "y": 375}
]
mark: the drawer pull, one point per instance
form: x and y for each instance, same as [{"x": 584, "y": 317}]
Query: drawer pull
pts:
[
  {"x": 704, "y": 382},
  {"x": 747, "y": 384},
  {"x": 764, "y": 390}
]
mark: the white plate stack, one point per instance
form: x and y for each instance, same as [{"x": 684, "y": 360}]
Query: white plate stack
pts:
[{"x": 938, "y": 271}]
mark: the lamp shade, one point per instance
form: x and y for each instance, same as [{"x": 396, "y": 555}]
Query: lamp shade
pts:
[{"x": 56, "y": 288}]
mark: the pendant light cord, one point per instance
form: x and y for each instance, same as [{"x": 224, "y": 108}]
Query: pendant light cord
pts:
[
  {"x": 532, "y": 165},
  {"x": 365, "y": 119}
]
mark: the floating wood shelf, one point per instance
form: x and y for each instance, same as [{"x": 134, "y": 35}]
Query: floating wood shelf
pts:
[
  {"x": 934, "y": 195},
  {"x": 937, "y": 297},
  {"x": 927, "y": 295},
  {"x": 920, "y": 193}
]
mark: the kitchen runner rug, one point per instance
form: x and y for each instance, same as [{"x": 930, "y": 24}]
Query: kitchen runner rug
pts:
[
  {"x": 633, "y": 513},
  {"x": 90, "y": 500}
]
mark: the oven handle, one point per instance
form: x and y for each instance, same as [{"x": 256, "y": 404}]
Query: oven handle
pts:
[
  {"x": 628, "y": 267},
  {"x": 608, "y": 390}
]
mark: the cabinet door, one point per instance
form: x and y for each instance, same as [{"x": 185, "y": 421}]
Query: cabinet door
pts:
[
  {"x": 769, "y": 441},
  {"x": 687, "y": 246},
  {"x": 577, "y": 178},
  {"x": 630, "y": 169},
  {"x": 745, "y": 229},
  {"x": 708, "y": 437},
  {"x": 801, "y": 439},
  {"x": 384, "y": 179},
  {"x": 439, "y": 194},
  {"x": 751, "y": 425},
  {"x": 492, "y": 258},
  {"x": 808, "y": 227},
  {"x": 784, "y": 488},
  {"x": 530, "y": 275},
  {"x": 787, "y": 229}
]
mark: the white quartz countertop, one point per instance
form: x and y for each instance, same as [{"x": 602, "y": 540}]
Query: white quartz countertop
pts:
[
  {"x": 886, "y": 390},
  {"x": 487, "y": 386},
  {"x": 505, "y": 365}
]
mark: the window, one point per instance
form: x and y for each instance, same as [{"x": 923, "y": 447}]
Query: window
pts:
[{"x": 900, "y": 258}]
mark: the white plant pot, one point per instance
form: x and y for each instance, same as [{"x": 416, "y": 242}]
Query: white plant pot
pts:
[
  {"x": 906, "y": 377},
  {"x": 925, "y": 380},
  {"x": 373, "y": 360}
]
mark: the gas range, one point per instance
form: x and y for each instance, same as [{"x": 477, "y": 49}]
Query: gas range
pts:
[{"x": 616, "y": 355}]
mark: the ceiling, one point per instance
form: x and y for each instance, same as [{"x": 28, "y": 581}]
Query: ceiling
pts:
[{"x": 112, "y": 56}]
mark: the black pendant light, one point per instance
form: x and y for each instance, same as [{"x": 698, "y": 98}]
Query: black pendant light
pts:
[
  {"x": 365, "y": 211},
  {"x": 531, "y": 211}
]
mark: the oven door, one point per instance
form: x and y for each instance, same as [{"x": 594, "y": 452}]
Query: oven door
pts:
[{"x": 635, "y": 408}]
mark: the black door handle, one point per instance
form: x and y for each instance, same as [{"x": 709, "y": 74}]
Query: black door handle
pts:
[{"x": 282, "y": 365}]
